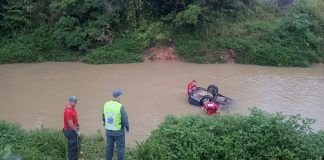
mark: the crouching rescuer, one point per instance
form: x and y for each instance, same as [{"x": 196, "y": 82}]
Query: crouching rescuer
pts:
[
  {"x": 211, "y": 108},
  {"x": 191, "y": 86},
  {"x": 115, "y": 121}
]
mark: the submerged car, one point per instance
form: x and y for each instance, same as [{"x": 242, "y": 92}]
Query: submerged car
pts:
[{"x": 201, "y": 95}]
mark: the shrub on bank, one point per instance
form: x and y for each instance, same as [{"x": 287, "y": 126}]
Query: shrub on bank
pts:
[
  {"x": 34, "y": 47},
  {"x": 17, "y": 52},
  {"x": 120, "y": 51},
  {"x": 258, "y": 136},
  {"x": 191, "y": 49},
  {"x": 34, "y": 144},
  {"x": 49, "y": 144}
]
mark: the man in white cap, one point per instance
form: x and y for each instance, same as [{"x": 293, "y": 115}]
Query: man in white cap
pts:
[{"x": 115, "y": 121}]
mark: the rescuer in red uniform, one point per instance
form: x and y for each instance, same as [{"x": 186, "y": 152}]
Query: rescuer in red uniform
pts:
[
  {"x": 211, "y": 108},
  {"x": 191, "y": 86}
]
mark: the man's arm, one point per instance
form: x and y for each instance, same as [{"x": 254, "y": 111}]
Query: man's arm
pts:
[
  {"x": 103, "y": 118},
  {"x": 72, "y": 126},
  {"x": 124, "y": 118},
  {"x": 69, "y": 117}
]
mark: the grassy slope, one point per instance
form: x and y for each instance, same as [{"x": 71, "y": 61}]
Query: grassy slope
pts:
[{"x": 258, "y": 136}]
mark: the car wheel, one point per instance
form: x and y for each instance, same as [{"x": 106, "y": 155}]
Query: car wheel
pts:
[{"x": 213, "y": 90}]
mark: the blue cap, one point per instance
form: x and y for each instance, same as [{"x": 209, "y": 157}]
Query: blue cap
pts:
[
  {"x": 73, "y": 99},
  {"x": 116, "y": 93}
]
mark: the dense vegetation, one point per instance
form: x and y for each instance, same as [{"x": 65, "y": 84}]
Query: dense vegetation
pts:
[
  {"x": 49, "y": 144},
  {"x": 117, "y": 31},
  {"x": 260, "y": 135}
]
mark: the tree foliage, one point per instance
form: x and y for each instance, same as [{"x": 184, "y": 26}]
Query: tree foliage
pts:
[
  {"x": 189, "y": 16},
  {"x": 76, "y": 28}
]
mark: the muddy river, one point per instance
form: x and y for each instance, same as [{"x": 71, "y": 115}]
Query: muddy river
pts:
[{"x": 152, "y": 90}]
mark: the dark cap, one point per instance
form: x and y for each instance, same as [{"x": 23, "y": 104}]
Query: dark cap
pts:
[{"x": 116, "y": 93}]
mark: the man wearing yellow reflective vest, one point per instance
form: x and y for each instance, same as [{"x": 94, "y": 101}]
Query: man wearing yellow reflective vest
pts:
[{"x": 115, "y": 121}]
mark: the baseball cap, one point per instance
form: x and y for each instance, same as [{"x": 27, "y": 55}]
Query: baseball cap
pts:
[
  {"x": 73, "y": 99},
  {"x": 116, "y": 93}
]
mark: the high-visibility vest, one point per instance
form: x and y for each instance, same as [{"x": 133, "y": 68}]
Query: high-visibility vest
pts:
[{"x": 112, "y": 115}]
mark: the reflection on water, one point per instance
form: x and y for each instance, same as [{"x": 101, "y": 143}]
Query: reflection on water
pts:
[{"x": 30, "y": 92}]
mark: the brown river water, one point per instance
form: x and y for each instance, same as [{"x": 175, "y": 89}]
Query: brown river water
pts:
[{"x": 152, "y": 90}]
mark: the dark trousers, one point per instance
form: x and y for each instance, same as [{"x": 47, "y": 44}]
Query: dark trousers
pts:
[
  {"x": 73, "y": 144},
  {"x": 120, "y": 146}
]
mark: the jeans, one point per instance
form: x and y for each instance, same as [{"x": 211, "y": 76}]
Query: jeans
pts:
[
  {"x": 120, "y": 146},
  {"x": 73, "y": 144}
]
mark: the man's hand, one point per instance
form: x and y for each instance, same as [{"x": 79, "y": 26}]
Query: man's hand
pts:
[{"x": 78, "y": 133}]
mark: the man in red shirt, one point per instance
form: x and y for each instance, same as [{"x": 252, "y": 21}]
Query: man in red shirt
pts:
[
  {"x": 191, "y": 86},
  {"x": 210, "y": 108},
  {"x": 71, "y": 128}
]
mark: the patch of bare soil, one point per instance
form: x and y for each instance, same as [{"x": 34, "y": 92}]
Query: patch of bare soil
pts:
[
  {"x": 160, "y": 54},
  {"x": 227, "y": 55},
  {"x": 223, "y": 56}
]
